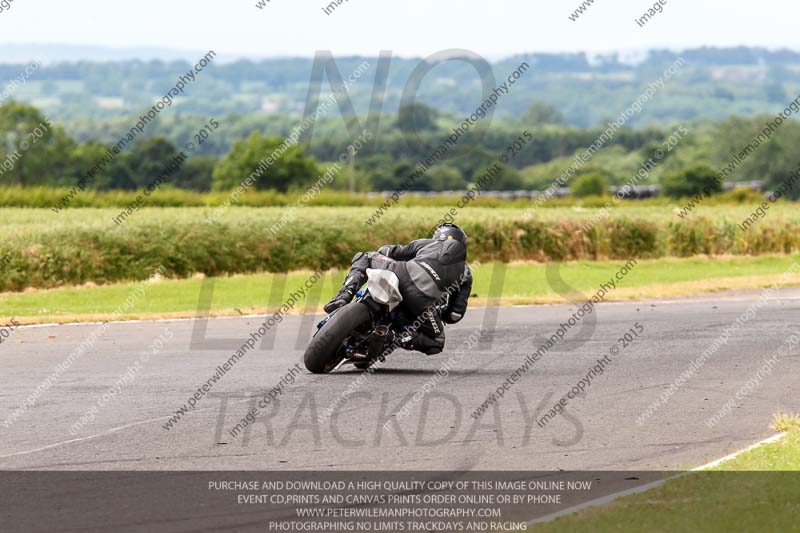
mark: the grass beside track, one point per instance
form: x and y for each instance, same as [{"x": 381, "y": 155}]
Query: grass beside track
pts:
[
  {"x": 518, "y": 283},
  {"x": 758, "y": 490}
]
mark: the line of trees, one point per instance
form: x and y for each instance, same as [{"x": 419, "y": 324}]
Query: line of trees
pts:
[{"x": 55, "y": 158}]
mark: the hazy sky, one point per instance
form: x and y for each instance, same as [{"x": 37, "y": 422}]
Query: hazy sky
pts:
[{"x": 408, "y": 27}]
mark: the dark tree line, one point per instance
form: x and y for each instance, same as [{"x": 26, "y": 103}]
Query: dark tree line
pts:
[{"x": 38, "y": 152}]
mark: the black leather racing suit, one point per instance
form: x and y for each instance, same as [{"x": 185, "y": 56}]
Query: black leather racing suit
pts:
[{"x": 431, "y": 273}]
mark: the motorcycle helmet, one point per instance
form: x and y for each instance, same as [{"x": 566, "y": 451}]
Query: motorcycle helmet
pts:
[{"x": 448, "y": 231}]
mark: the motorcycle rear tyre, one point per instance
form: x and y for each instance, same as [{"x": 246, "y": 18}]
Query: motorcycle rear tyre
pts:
[{"x": 322, "y": 353}]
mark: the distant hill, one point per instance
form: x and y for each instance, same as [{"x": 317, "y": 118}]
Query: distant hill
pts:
[
  {"x": 60, "y": 53},
  {"x": 714, "y": 83}
]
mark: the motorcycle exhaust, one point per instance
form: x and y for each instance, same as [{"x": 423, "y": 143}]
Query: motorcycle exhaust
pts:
[{"x": 376, "y": 345}]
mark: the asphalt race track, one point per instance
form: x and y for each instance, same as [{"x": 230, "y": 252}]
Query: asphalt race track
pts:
[{"x": 599, "y": 430}]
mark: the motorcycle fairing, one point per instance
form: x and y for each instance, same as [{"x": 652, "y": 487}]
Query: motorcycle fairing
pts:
[{"x": 384, "y": 286}]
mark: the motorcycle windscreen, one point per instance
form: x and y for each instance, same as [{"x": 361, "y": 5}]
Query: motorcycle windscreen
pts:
[{"x": 384, "y": 286}]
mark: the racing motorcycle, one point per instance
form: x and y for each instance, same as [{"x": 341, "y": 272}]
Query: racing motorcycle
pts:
[{"x": 362, "y": 332}]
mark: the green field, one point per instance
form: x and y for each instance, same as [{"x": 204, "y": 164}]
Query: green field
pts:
[
  {"x": 519, "y": 283},
  {"x": 758, "y": 490},
  {"x": 46, "y": 197},
  {"x": 40, "y": 219}
]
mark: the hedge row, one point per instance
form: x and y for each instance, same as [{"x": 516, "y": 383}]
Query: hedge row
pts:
[{"x": 71, "y": 256}]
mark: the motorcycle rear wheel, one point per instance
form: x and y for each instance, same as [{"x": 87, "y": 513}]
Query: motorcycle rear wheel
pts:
[{"x": 323, "y": 353}]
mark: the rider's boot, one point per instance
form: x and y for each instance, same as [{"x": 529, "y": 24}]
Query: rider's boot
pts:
[
  {"x": 406, "y": 341},
  {"x": 417, "y": 342}
]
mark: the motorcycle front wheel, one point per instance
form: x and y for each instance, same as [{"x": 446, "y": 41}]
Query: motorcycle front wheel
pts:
[{"x": 323, "y": 353}]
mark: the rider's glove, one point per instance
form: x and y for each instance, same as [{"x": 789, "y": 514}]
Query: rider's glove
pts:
[{"x": 385, "y": 249}]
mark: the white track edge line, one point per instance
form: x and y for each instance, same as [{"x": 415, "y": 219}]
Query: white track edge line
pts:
[
  {"x": 653, "y": 484},
  {"x": 721, "y": 460}
]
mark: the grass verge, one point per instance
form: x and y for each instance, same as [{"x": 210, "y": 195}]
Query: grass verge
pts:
[
  {"x": 757, "y": 490},
  {"x": 517, "y": 283}
]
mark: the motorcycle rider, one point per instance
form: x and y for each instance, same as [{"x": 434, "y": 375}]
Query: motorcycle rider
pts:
[{"x": 430, "y": 271}]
